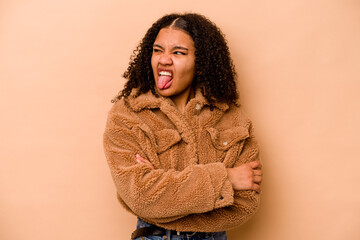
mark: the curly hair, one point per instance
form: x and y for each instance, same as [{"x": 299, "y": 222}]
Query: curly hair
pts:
[{"x": 214, "y": 70}]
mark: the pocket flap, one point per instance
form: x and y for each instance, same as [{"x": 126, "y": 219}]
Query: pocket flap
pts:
[
  {"x": 225, "y": 139},
  {"x": 166, "y": 138}
]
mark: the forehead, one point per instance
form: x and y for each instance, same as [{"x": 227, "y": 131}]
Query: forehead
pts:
[{"x": 174, "y": 37}]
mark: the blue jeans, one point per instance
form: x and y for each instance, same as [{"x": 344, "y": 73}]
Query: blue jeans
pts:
[{"x": 207, "y": 236}]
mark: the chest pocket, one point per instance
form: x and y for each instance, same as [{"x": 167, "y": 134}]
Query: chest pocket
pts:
[
  {"x": 224, "y": 140},
  {"x": 165, "y": 139},
  {"x": 228, "y": 143},
  {"x": 157, "y": 144}
]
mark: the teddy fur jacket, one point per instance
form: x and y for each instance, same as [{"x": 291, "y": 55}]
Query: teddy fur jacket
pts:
[{"x": 188, "y": 189}]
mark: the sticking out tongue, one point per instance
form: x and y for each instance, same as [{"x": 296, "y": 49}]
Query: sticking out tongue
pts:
[{"x": 164, "y": 82}]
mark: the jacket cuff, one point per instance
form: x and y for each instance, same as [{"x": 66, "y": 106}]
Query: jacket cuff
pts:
[{"x": 223, "y": 190}]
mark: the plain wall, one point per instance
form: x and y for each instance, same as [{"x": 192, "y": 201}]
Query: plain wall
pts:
[{"x": 299, "y": 76}]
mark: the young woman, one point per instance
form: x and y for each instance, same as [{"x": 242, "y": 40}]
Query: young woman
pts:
[{"x": 180, "y": 149}]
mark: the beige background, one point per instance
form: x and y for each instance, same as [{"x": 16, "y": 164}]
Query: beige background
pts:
[{"x": 61, "y": 63}]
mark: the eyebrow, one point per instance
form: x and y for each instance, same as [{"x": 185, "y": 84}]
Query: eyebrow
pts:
[{"x": 174, "y": 48}]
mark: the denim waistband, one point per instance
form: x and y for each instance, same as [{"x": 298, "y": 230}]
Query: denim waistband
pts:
[{"x": 171, "y": 234}]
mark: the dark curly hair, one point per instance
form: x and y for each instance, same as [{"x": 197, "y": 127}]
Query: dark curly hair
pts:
[{"x": 214, "y": 71}]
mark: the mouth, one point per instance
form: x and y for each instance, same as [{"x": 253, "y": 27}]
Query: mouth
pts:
[{"x": 164, "y": 79}]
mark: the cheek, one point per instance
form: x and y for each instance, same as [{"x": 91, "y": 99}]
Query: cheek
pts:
[
  {"x": 189, "y": 69},
  {"x": 186, "y": 67},
  {"x": 188, "y": 74}
]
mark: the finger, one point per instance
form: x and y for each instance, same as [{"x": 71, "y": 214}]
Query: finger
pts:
[
  {"x": 139, "y": 161},
  {"x": 254, "y": 164},
  {"x": 257, "y": 172},
  {"x": 257, "y": 179},
  {"x": 142, "y": 160},
  {"x": 256, "y": 187},
  {"x": 139, "y": 157},
  {"x": 145, "y": 162}
]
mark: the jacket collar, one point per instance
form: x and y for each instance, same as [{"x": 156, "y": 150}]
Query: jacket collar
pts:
[{"x": 150, "y": 101}]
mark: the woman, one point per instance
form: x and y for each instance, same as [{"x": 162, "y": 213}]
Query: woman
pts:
[{"x": 181, "y": 151}]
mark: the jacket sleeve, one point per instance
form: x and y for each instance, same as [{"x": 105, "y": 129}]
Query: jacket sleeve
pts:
[
  {"x": 246, "y": 203},
  {"x": 158, "y": 194}
]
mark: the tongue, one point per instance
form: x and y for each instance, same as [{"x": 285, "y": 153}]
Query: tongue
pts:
[{"x": 164, "y": 82}]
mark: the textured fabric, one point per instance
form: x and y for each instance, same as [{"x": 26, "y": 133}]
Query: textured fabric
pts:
[{"x": 188, "y": 190}]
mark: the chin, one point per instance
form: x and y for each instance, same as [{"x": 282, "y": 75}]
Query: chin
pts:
[{"x": 165, "y": 92}]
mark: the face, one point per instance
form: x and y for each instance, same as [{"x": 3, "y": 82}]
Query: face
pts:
[{"x": 173, "y": 63}]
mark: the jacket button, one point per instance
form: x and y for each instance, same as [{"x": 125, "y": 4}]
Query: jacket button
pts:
[
  {"x": 198, "y": 106},
  {"x": 225, "y": 143}
]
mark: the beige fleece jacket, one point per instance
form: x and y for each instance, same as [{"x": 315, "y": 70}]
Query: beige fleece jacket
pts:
[{"x": 188, "y": 190}]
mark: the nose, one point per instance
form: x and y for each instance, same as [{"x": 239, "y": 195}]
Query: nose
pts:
[{"x": 165, "y": 59}]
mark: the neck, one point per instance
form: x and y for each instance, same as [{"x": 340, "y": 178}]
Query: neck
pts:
[{"x": 182, "y": 99}]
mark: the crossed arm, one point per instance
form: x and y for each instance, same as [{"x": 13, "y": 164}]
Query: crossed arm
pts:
[{"x": 247, "y": 176}]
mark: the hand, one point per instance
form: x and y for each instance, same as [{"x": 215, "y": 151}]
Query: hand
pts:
[
  {"x": 142, "y": 160},
  {"x": 247, "y": 176}
]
